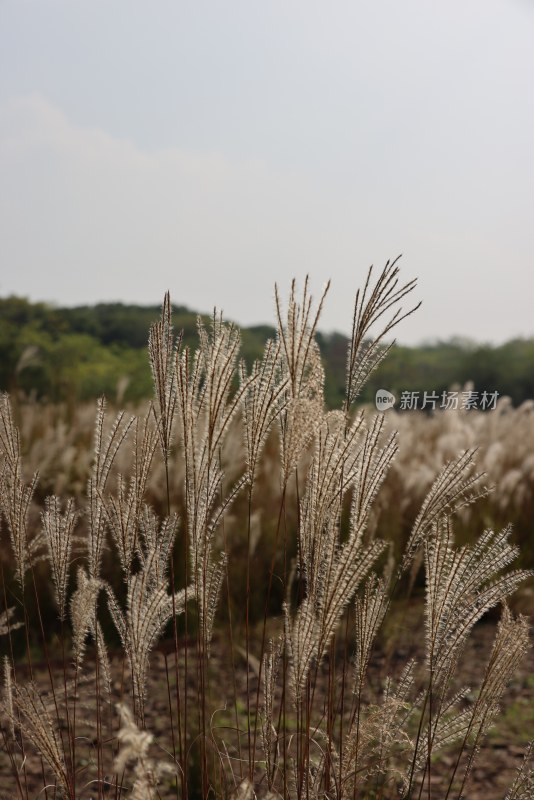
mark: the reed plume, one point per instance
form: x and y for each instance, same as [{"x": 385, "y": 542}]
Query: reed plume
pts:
[
  {"x": 365, "y": 353},
  {"x": 162, "y": 351},
  {"x": 34, "y": 720},
  {"x": 15, "y": 494},
  {"x": 105, "y": 452},
  {"x": 148, "y": 609},
  {"x": 303, "y": 373},
  {"x": 58, "y": 528},
  {"x": 124, "y": 509},
  {"x": 207, "y": 408},
  {"x": 134, "y": 748}
]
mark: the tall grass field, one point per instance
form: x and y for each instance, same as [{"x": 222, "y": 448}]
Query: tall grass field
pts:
[{"x": 233, "y": 592}]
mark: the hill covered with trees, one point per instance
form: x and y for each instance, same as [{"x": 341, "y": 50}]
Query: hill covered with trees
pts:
[{"x": 73, "y": 354}]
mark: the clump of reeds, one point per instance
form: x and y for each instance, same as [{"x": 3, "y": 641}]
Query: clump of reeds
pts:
[{"x": 311, "y": 725}]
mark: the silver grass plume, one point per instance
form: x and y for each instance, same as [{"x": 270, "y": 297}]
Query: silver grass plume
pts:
[
  {"x": 354, "y": 559},
  {"x": 217, "y": 359},
  {"x": 58, "y": 528},
  {"x": 245, "y": 791},
  {"x": 449, "y": 725},
  {"x": 332, "y": 571},
  {"x": 7, "y": 702},
  {"x": 15, "y": 494},
  {"x": 213, "y": 577},
  {"x": 372, "y": 467},
  {"x": 309, "y": 634},
  {"x": 102, "y": 654},
  {"x": 302, "y": 416},
  {"x": 509, "y": 648},
  {"x": 382, "y": 742},
  {"x": 155, "y": 548},
  {"x": 134, "y": 747},
  {"x": 37, "y": 726},
  {"x": 296, "y": 334},
  {"x": 271, "y": 665},
  {"x": 302, "y": 635},
  {"x": 162, "y": 351},
  {"x": 123, "y": 509},
  {"x": 370, "y": 612},
  {"x": 462, "y": 584},
  {"x": 455, "y": 487},
  {"x": 263, "y": 402},
  {"x": 331, "y": 474},
  {"x": 6, "y": 623},
  {"x": 207, "y": 408},
  {"x": 148, "y": 609},
  {"x": 84, "y": 622},
  {"x": 365, "y": 355},
  {"x": 523, "y": 786},
  {"x": 351, "y": 567},
  {"x": 303, "y": 370},
  {"x": 83, "y": 612},
  {"x": 105, "y": 452}
]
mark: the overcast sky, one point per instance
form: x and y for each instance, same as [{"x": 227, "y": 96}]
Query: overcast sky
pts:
[{"x": 213, "y": 148}]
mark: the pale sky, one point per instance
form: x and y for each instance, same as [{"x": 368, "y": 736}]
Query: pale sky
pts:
[{"x": 213, "y": 148}]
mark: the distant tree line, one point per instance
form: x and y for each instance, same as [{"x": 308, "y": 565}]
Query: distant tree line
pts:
[{"x": 73, "y": 354}]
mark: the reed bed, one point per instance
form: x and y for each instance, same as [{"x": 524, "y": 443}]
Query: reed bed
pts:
[
  {"x": 252, "y": 545},
  {"x": 57, "y": 442}
]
